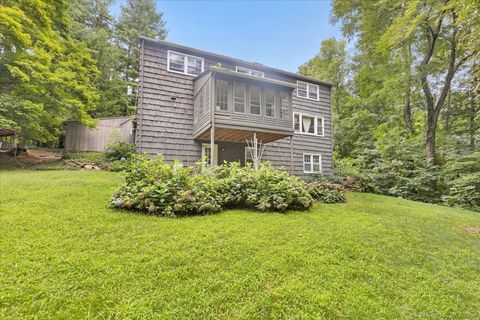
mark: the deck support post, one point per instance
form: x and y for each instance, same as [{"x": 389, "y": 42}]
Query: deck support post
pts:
[
  {"x": 291, "y": 154},
  {"x": 212, "y": 145}
]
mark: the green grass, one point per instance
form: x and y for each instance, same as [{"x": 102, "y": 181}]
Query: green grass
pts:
[{"x": 64, "y": 255}]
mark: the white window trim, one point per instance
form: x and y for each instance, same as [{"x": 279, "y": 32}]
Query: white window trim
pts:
[
  {"x": 315, "y": 123},
  {"x": 247, "y": 155},
  {"x": 215, "y": 153},
  {"x": 308, "y": 90},
  {"x": 185, "y": 63},
  {"x": 311, "y": 162},
  {"x": 249, "y": 71}
]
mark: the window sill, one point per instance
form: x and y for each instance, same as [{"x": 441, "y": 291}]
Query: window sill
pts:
[
  {"x": 185, "y": 74},
  {"x": 307, "y": 98}
]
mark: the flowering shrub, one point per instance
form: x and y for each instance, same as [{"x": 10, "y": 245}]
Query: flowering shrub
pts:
[
  {"x": 326, "y": 192},
  {"x": 156, "y": 187}
]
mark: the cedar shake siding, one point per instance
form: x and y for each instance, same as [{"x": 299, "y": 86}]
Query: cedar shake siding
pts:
[{"x": 176, "y": 111}]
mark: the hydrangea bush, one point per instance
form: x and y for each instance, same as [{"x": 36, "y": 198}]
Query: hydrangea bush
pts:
[{"x": 171, "y": 189}]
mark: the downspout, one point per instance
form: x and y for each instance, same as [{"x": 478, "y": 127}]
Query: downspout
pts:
[{"x": 139, "y": 129}]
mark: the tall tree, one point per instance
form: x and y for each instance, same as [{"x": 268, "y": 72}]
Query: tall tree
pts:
[
  {"x": 93, "y": 24},
  {"x": 44, "y": 72},
  {"x": 138, "y": 18},
  {"x": 437, "y": 32}
]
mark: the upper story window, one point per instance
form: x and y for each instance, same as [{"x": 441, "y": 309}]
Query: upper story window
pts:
[
  {"x": 221, "y": 95},
  {"x": 184, "y": 63},
  {"x": 306, "y": 124},
  {"x": 255, "y": 100},
  {"x": 250, "y": 72},
  {"x": 308, "y": 90},
  {"x": 269, "y": 102},
  {"x": 285, "y": 105},
  {"x": 239, "y": 91}
]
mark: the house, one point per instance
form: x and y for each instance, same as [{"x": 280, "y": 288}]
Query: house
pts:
[{"x": 194, "y": 105}]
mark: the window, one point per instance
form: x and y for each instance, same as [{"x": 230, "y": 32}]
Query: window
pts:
[
  {"x": 239, "y": 97},
  {"x": 250, "y": 72},
  {"x": 270, "y": 103},
  {"x": 183, "y": 63},
  {"x": 312, "y": 163},
  {"x": 308, "y": 90},
  {"x": 221, "y": 95},
  {"x": 285, "y": 107},
  {"x": 255, "y": 100},
  {"x": 307, "y": 124},
  {"x": 207, "y": 156}
]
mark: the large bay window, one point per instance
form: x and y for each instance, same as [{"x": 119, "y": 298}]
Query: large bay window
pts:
[
  {"x": 184, "y": 63},
  {"x": 308, "y": 90},
  {"x": 307, "y": 124},
  {"x": 312, "y": 163}
]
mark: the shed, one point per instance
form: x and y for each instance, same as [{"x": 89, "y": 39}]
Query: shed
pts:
[{"x": 79, "y": 137}]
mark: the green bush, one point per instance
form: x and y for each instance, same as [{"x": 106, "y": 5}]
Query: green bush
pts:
[
  {"x": 154, "y": 186},
  {"x": 326, "y": 192},
  {"x": 119, "y": 150},
  {"x": 463, "y": 177}
]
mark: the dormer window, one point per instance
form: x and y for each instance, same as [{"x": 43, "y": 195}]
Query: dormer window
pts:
[
  {"x": 184, "y": 63},
  {"x": 308, "y": 90},
  {"x": 251, "y": 72}
]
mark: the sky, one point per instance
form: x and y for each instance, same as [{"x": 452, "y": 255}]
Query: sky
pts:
[{"x": 280, "y": 34}]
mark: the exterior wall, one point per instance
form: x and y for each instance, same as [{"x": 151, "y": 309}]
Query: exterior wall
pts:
[
  {"x": 166, "y": 107},
  {"x": 108, "y": 130}
]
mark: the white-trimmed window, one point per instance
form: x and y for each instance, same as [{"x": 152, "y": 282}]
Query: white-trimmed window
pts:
[
  {"x": 312, "y": 163},
  {"x": 239, "y": 93},
  {"x": 221, "y": 95},
  {"x": 307, "y": 124},
  {"x": 207, "y": 155},
  {"x": 285, "y": 105},
  {"x": 308, "y": 90},
  {"x": 270, "y": 103},
  {"x": 184, "y": 63},
  {"x": 250, "y": 72}
]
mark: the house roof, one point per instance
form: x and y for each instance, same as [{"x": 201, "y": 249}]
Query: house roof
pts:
[
  {"x": 246, "y": 76},
  {"x": 235, "y": 60}
]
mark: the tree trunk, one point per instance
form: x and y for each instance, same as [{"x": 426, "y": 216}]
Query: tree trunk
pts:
[
  {"x": 407, "y": 107},
  {"x": 448, "y": 110},
  {"x": 473, "y": 125}
]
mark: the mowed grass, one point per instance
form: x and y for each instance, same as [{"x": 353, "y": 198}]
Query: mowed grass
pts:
[{"x": 64, "y": 255}]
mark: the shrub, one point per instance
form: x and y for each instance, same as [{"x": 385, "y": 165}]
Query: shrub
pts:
[
  {"x": 463, "y": 176},
  {"x": 154, "y": 186},
  {"x": 119, "y": 150},
  {"x": 326, "y": 192}
]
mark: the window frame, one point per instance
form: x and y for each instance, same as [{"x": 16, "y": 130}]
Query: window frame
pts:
[
  {"x": 247, "y": 156},
  {"x": 250, "y": 100},
  {"x": 274, "y": 104},
  {"x": 185, "y": 63},
  {"x": 308, "y": 84},
  {"x": 311, "y": 155},
  {"x": 204, "y": 154},
  {"x": 228, "y": 95},
  {"x": 315, "y": 123},
  {"x": 250, "y": 71},
  {"x": 245, "y": 97}
]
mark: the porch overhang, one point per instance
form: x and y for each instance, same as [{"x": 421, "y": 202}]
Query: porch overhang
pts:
[{"x": 231, "y": 134}]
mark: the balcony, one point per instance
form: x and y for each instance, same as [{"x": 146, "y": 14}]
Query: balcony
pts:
[{"x": 231, "y": 106}]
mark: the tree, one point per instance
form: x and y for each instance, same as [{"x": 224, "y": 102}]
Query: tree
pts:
[
  {"x": 43, "y": 70},
  {"x": 437, "y": 32},
  {"x": 138, "y": 18},
  {"x": 93, "y": 25}
]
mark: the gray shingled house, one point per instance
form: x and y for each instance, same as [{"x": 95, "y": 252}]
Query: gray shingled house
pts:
[{"x": 194, "y": 105}]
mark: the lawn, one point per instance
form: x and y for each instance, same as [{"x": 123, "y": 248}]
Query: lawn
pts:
[{"x": 64, "y": 255}]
